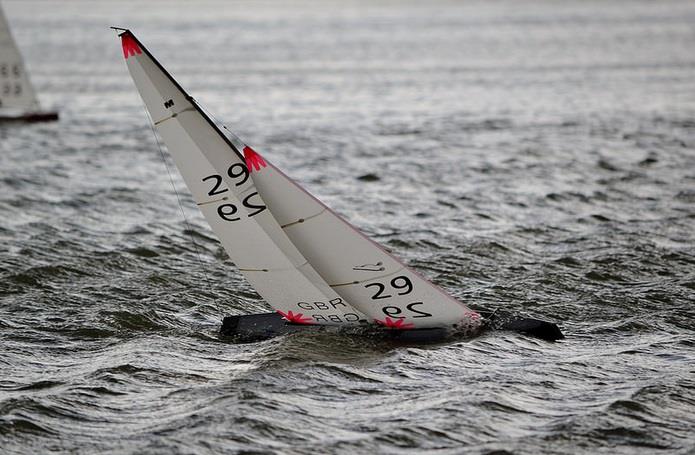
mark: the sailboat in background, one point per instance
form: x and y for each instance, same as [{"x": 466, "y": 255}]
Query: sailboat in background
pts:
[
  {"x": 18, "y": 101},
  {"x": 313, "y": 267}
]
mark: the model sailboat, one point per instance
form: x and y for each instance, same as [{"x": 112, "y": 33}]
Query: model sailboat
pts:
[
  {"x": 18, "y": 99},
  {"x": 310, "y": 265}
]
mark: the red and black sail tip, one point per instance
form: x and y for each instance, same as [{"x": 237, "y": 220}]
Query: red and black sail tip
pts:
[
  {"x": 130, "y": 46},
  {"x": 254, "y": 161}
]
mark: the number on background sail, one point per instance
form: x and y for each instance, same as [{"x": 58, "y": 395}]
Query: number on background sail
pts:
[
  {"x": 217, "y": 176},
  {"x": 358, "y": 269},
  {"x": 16, "y": 92}
]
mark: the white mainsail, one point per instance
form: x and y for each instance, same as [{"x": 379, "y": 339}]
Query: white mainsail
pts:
[
  {"x": 217, "y": 176},
  {"x": 17, "y": 95},
  {"x": 357, "y": 268}
]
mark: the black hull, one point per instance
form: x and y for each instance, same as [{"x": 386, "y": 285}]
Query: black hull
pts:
[
  {"x": 258, "y": 327},
  {"x": 31, "y": 117}
]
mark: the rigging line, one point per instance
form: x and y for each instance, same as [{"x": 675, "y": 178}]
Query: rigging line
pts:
[
  {"x": 217, "y": 121},
  {"x": 183, "y": 213},
  {"x": 232, "y": 133}
]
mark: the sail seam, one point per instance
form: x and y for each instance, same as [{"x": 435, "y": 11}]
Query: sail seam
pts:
[
  {"x": 368, "y": 279},
  {"x": 212, "y": 202},
  {"x": 174, "y": 115},
  {"x": 284, "y": 269}
]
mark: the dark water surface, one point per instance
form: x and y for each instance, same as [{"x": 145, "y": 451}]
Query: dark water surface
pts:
[{"x": 531, "y": 156}]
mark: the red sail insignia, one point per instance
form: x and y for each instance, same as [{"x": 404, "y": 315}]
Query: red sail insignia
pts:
[
  {"x": 253, "y": 159},
  {"x": 395, "y": 324},
  {"x": 298, "y": 318},
  {"x": 130, "y": 46}
]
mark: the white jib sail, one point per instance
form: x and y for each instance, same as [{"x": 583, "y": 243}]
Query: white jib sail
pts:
[
  {"x": 357, "y": 268},
  {"x": 17, "y": 95},
  {"x": 217, "y": 176}
]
